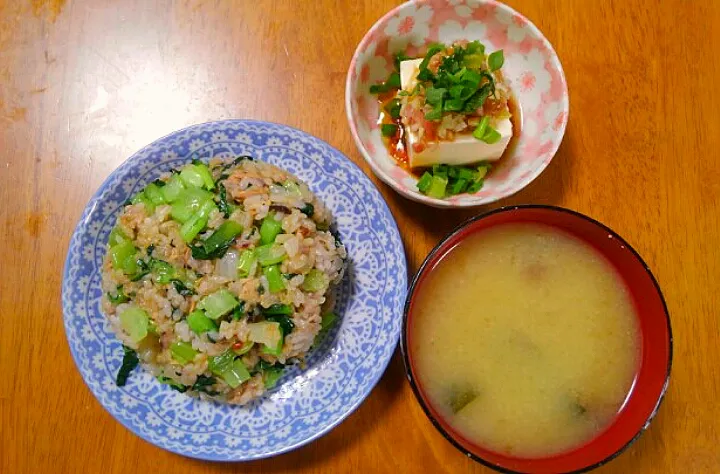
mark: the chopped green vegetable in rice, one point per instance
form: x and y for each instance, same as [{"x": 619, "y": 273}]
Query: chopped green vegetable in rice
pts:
[{"x": 217, "y": 276}]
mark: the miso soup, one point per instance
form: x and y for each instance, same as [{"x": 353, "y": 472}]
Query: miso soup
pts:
[{"x": 524, "y": 340}]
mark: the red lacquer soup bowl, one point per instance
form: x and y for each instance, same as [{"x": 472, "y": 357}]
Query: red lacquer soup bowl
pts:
[{"x": 655, "y": 342}]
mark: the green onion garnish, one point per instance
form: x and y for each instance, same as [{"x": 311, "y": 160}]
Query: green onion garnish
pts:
[
  {"x": 393, "y": 82},
  {"x": 491, "y": 136},
  {"x": 446, "y": 180},
  {"x": 393, "y": 108},
  {"x": 458, "y": 186},
  {"x": 496, "y": 60},
  {"x": 388, "y": 129},
  {"x": 436, "y": 113},
  {"x": 424, "y": 183},
  {"x": 437, "y": 187},
  {"x": 479, "y": 132}
]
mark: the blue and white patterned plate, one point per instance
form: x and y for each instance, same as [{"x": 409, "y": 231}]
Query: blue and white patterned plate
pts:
[{"x": 340, "y": 372}]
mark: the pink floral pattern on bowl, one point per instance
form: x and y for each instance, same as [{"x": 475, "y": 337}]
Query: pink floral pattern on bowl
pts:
[{"x": 531, "y": 66}]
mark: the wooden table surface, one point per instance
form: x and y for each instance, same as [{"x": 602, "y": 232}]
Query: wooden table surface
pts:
[{"x": 84, "y": 84}]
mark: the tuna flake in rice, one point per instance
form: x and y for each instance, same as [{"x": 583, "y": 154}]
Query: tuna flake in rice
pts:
[{"x": 217, "y": 276}]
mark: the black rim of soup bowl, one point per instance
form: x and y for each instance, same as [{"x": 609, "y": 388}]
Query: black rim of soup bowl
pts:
[{"x": 424, "y": 267}]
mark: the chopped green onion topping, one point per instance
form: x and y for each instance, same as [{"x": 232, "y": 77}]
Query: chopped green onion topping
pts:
[
  {"x": 479, "y": 132},
  {"x": 434, "y": 96},
  {"x": 388, "y": 129},
  {"x": 393, "y": 82},
  {"x": 400, "y": 57},
  {"x": 436, "y": 113},
  {"x": 447, "y": 180},
  {"x": 475, "y": 187},
  {"x": 462, "y": 82},
  {"x": 424, "y": 74},
  {"x": 496, "y": 60},
  {"x": 393, "y": 108},
  {"x": 424, "y": 182},
  {"x": 437, "y": 187},
  {"x": 491, "y": 136},
  {"x": 482, "y": 171},
  {"x": 458, "y": 187}
]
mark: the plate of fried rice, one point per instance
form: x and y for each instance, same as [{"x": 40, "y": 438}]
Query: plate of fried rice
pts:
[{"x": 234, "y": 290}]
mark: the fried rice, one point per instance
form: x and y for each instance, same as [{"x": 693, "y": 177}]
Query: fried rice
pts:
[{"x": 217, "y": 276}]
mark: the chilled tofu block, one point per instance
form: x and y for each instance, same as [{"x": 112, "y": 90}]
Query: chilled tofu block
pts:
[
  {"x": 464, "y": 149},
  {"x": 408, "y": 73}
]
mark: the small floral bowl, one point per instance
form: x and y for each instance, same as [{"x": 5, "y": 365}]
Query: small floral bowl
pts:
[{"x": 531, "y": 66}]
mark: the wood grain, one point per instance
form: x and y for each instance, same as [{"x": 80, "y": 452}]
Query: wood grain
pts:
[{"x": 85, "y": 84}]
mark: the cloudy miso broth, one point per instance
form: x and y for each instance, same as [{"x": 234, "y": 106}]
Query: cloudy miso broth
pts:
[{"x": 524, "y": 340}]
